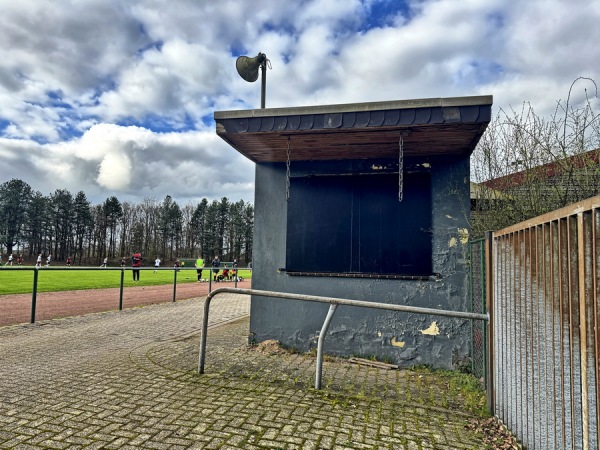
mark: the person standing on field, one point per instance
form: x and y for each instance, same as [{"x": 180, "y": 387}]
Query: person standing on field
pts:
[
  {"x": 38, "y": 261},
  {"x": 199, "y": 265},
  {"x": 10, "y": 260},
  {"x": 156, "y": 264},
  {"x": 216, "y": 262},
  {"x": 136, "y": 263}
]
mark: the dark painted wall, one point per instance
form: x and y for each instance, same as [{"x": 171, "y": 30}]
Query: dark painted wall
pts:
[{"x": 402, "y": 338}]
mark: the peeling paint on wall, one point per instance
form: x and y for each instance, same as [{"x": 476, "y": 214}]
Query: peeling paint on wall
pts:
[
  {"x": 396, "y": 343},
  {"x": 463, "y": 235},
  {"x": 368, "y": 331},
  {"x": 433, "y": 330}
]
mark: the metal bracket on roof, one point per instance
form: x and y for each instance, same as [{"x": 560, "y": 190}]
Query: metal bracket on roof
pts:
[
  {"x": 400, "y": 168},
  {"x": 287, "y": 171}
]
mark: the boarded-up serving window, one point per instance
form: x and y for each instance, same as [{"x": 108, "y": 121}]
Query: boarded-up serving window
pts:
[{"x": 355, "y": 224}]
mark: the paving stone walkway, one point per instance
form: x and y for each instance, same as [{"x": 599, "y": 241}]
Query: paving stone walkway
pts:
[{"x": 127, "y": 380}]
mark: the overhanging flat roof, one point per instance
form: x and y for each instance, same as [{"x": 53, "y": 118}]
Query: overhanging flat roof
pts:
[{"x": 436, "y": 126}]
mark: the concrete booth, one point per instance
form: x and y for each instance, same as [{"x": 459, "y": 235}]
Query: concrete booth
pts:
[{"x": 366, "y": 201}]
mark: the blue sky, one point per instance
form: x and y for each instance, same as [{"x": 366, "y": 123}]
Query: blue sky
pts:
[{"x": 117, "y": 98}]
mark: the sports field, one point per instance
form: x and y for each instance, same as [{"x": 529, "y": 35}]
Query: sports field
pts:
[{"x": 15, "y": 280}]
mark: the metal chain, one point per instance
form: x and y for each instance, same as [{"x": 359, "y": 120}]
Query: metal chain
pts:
[
  {"x": 400, "y": 168},
  {"x": 287, "y": 171}
]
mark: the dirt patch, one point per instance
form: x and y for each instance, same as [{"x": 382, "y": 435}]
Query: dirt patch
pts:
[
  {"x": 15, "y": 309},
  {"x": 268, "y": 347}
]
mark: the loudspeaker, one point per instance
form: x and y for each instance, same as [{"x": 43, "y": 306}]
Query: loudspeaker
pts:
[{"x": 248, "y": 67}]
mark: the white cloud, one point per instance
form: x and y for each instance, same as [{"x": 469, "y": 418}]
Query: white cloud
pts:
[
  {"x": 114, "y": 172},
  {"x": 115, "y": 98},
  {"x": 132, "y": 163}
]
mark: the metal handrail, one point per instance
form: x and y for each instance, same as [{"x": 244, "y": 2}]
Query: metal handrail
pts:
[
  {"x": 37, "y": 269},
  {"x": 333, "y": 302}
]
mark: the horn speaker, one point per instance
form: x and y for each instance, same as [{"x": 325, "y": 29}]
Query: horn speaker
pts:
[
  {"x": 248, "y": 67},
  {"x": 248, "y": 70}
]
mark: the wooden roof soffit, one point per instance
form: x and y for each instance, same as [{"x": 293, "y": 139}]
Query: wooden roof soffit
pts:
[{"x": 357, "y": 131}]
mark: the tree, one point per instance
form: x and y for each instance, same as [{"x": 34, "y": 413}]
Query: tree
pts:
[
  {"x": 188, "y": 236},
  {"x": 113, "y": 211},
  {"x": 222, "y": 223},
  {"x": 170, "y": 223},
  {"x": 149, "y": 219},
  {"x": 36, "y": 223},
  {"x": 248, "y": 232},
  {"x": 176, "y": 227},
  {"x": 212, "y": 237},
  {"x": 125, "y": 226},
  {"x": 61, "y": 215},
  {"x": 546, "y": 162},
  {"x": 237, "y": 230},
  {"x": 198, "y": 226},
  {"x": 97, "y": 238},
  {"x": 83, "y": 223},
  {"x": 68, "y": 226},
  {"x": 137, "y": 236},
  {"x": 15, "y": 196}
]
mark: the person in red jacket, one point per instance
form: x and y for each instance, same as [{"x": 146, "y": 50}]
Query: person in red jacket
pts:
[{"x": 136, "y": 263}]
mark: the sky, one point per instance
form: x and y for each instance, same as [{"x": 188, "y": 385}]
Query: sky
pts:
[{"x": 116, "y": 98}]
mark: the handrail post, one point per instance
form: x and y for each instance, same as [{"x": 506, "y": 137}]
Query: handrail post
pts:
[
  {"x": 209, "y": 281},
  {"x": 318, "y": 376},
  {"x": 174, "y": 285},
  {"x": 121, "y": 289},
  {"x": 34, "y": 294},
  {"x": 202, "y": 355}
]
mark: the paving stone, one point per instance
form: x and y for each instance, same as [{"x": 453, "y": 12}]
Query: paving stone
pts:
[{"x": 127, "y": 379}]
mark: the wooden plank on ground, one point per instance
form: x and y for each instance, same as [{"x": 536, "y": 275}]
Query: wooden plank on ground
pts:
[{"x": 378, "y": 364}]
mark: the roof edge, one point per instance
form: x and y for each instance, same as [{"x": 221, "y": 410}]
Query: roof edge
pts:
[{"x": 357, "y": 107}]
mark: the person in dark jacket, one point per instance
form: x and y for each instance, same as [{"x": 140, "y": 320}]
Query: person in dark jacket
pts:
[
  {"x": 216, "y": 262},
  {"x": 136, "y": 263}
]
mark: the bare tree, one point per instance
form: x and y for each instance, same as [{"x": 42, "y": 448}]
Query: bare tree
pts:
[
  {"x": 148, "y": 218},
  {"x": 188, "y": 238},
  {"x": 124, "y": 229},
  {"x": 529, "y": 165}
]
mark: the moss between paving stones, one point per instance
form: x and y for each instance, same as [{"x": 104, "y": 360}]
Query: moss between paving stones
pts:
[{"x": 420, "y": 394}]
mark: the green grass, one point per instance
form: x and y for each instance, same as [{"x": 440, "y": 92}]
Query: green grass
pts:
[
  {"x": 459, "y": 385},
  {"x": 20, "y": 280}
]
